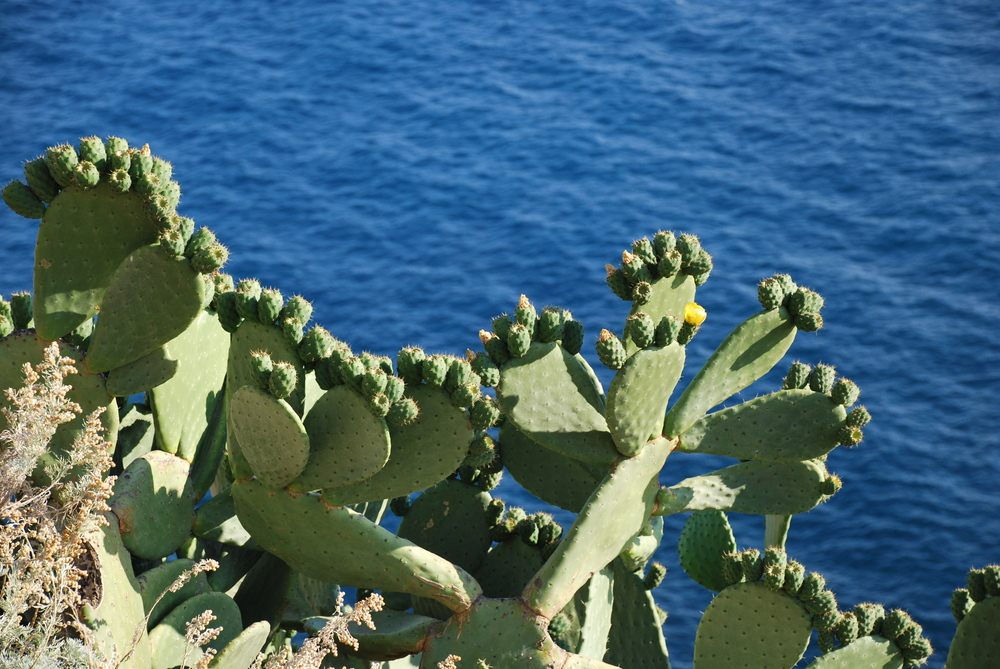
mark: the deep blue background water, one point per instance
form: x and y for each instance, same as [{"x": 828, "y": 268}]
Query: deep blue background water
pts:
[{"x": 412, "y": 167}]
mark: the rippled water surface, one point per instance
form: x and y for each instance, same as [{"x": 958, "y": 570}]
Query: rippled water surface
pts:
[{"x": 413, "y": 167}]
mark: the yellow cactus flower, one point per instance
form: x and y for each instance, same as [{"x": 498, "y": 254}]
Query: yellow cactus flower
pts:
[{"x": 694, "y": 313}]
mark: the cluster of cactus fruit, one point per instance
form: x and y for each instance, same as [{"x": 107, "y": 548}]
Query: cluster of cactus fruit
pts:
[{"x": 244, "y": 435}]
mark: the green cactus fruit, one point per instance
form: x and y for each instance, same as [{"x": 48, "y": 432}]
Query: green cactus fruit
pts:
[
  {"x": 831, "y": 485},
  {"x": 118, "y": 155},
  {"x": 550, "y": 324},
  {"x": 459, "y": 374},
  {"x": 373, "y": 383},
  {"x": 576, "y": 427},
  {"x": 797, "y": 377},
  {"x": 847, "y": 628},
  {"x": 732, "y": 570},
  {"x": 634, "y": 268},
  {"x": 610, "y": 350},
  {"x": 976, "y": 583},
  {"x": 434, "y": 370},
  {"x": 670, "y": 263},
  {"x": 654, "y": 577},
  {"x": 770, "y": 293},
  {"x": 749, "y": 620},
  {"x": 643, "y": 248},
  {"x": 663, "y": 243},
  {"x": 282, "y": 380},
  {"x": 210, "y": 259},
  {"x": 293, "y": 330},
  {"x": 702, "y": 547},
  {"x": 85, "y": 175},
  {"x": 400, "y": 506},
  {"x": 465, "y": 396},
  {"x": 748, "y": 353},
  {"x": 92, "y": 149},
  {"x": 260, "y": 368},
  {"x": 114, "y": 612},
  {"x": 805, "y": 301},
  {"x": 821, "y": 379},
  {"x": 87, "y": 389},
  {"x": 61, "y": 161},
  {"x": 298, "y": 308},
  {"x": 141, "y": 162},
  {"x": 828, "y": 619},
  {"x": 865, "y": 652},
  {"x": 6, "y": 320},
  {"x": 896, "y": 623},
  {"x": 640, "y": 329},
  {"x": 775, "y": 563},
  {"x": 845, "y": 392},
  {"x": 787, "y": 285},
  {"x": 271, "y": 437},
  {"x": 315, "y": 345},
  {"x": 501, "y": 325},
  {"x": 850, "y": 436},
  {"x": 319, "y": 540},
  {"x": 635, "y": 638},
  {"x": 808, "y": 322},
  {"x": 223, "y": 282},
  {"x": 525, "y": 314},
  {"x": 639, "y": 394},
  {"x": 20, "y": 310},
  {"x": 992, "y": 578},
  {"x": 484, "y": 414},
  {"x": 518, "y": 340},
  {"x": 642, "y": 293},
  {"x": 554, "y": 478},
  {"x": 40, "y": 181},
  {"x": 572, "y": 336},
  {"x": 619, "y": 283},
  {"x": 484, "y": 368},
  {"x": 686, "y": 333},
  {"x": 402, "y": 412},
  {"x": 628, "y": 495},
  {"x": 812, "y": 585},
  {"x": 785, "y": 426},
  {"x": 826, "y": 640},
  {"x": 379, "y": 405},
  {"x": 22, "y": 201},
  {"x": 171, "y": 243},
  {"x": 496, "y": 347},
  {"x": 394, "y": 388},
  {"x": 666, "y": 331},
  {"x": 154, "y": 503},
  {"x": 410, "y": 363},
  {"x": 753, "y": 564},
  {"x": 700, "y": 264},
  {"x": 859, "y": 417},
  {"x": 688, "y": 245},
  {"x": 868, "y": 616},
  {"x": 795, "y": 575},
  {"x": 248, "y": 291},
  {"x": 225, "y": 307},
  {"x": 351, "y": 371},
  {"x": 347, "y": 442}
]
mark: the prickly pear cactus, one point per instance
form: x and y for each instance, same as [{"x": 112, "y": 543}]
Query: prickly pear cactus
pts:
[{"x": 269, "y": 446}]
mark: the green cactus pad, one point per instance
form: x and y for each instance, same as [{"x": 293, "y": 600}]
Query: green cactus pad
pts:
[
  {"x": 142, "y": 374},
  {"x": 156, "y": 581},
  {"x": 348, "y": 443},
  {"x": 252, "y": 336},
  {"x": 638, "y": 396},
  {"x": 573, "y": 424},
  {"x": 154, "y": 503},
  {"x": 752, "y": 487},
  {"x": 784, "y": 426},
  {"x": 667, "y": 298},
  {"x": 423, "y": 452},
  {"x": 450, "y": 521},
  {"x": 748, "y": 353},
  {"x": 88, "y": 390},
  {"x": 150, "y": 300},
  {"x": 702, "y": 546},
  {"x": 338, "y": 545},
  {"x": 135, "y": 434},
  {"x": 869, "y": 652},
  {"x": 167, "y": 638},
  {"x": 508, "y": 568},
  {"x": 628, "y": 496},
  {"x": 588, "y": 617},
  {"x": 184, "y": 405},
  {"x": 552, "y": 477},
  {"x": 83, "y": 238},
  {"x": 976, "y": 642},
  {"x": 636, "y": 639},
  {"x": 241, "y": 652},
  {"x": 271, "y": 436},
  {"x": 748, "y": 620},
  {"x": 116, "y": 613}
]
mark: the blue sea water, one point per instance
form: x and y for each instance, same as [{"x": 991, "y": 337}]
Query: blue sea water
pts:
[{"x": 413, "y": 167}]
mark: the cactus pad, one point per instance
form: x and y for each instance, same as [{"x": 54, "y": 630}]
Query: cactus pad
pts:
[
  {"x": 347, "y": 442},
  {"x": 748, "y": 620},
  {"x": 636, "y": 639},
  {"x": 270, "y": 435},
  {"x": 869, "y": 652},
  {"x": 638, "y": 396},
  {"x": 784, "y": 426},
  {"x": 573, "y": 424},
  {"x": 150, "y": 300},
  {"x": 142, "y": 374},
  {"x": 703, "y": 545},
  {"x": 976, "y": 643}
]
